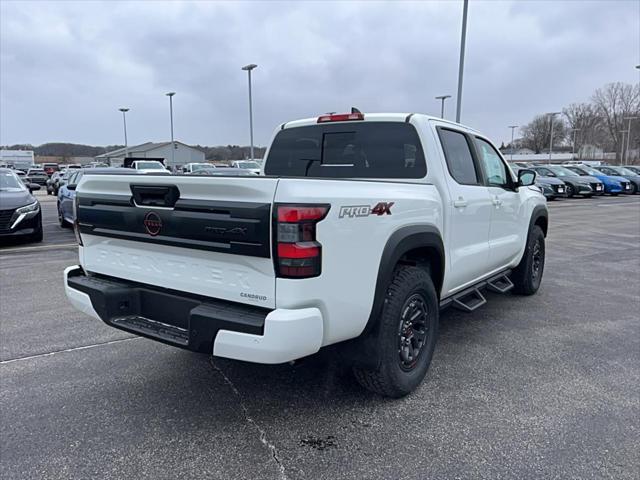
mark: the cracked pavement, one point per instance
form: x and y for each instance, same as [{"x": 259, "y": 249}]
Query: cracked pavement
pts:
[{"x": 539, "y": 387}]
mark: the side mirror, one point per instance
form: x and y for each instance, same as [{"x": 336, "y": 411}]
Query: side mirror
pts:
[
  {"x": 526, "y": 177},
  {"x": 33, "y": 186},
  {"x": 71, "y": 187}
]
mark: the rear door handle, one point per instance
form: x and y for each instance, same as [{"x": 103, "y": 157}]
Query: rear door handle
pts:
[{"x": 460, "y": 203}]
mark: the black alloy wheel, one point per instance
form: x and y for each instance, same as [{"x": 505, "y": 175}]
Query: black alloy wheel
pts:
[
  {"x": 538, "y": 262},
  {"x": 413, "y": 331}
]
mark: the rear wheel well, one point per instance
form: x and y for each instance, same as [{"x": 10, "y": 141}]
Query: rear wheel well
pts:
[{"x": 429, "y": 259}]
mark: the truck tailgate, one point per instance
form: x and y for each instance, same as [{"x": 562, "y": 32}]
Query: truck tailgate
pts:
[{"x": 205, "y": 235}]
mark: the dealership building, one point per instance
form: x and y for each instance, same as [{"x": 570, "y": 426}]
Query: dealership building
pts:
[
  {"x": 20, "y": 159},
  {"x": 162, "y": 151}
]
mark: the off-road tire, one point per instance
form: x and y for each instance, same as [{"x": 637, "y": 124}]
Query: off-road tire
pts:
[
  {"x": 527, "y": 276},
  {"x": 392, "y": 378}
]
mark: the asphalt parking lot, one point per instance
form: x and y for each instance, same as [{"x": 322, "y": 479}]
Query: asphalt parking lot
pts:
[{"x": 539, "y": 387}]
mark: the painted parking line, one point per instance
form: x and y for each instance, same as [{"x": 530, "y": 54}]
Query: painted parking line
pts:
[
  {"x": 616, "y": 204},
  {"x": 38, "y": 249},
  {"x": 66, "y": 350}
]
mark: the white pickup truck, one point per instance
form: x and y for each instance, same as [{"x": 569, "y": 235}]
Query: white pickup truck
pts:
[{"x": 359, "y": 229}]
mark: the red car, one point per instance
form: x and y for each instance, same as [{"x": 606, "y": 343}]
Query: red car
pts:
[{"x": 49, "y": 168}]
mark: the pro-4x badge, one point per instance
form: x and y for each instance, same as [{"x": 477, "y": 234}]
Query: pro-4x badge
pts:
[{"x": 351, "y": 211}]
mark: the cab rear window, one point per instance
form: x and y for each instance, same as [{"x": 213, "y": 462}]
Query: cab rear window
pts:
[{"x": 348, "y": 150}]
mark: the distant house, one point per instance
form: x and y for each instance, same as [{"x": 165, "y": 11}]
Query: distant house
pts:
[{"x": 182, "y": 154}]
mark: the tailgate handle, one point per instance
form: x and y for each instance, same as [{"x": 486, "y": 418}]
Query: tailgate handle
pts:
[{"x": 155, "y": 195}]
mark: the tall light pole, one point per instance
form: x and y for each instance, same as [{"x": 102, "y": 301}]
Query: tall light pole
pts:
[
  {"x": 124, "y": 121},
  {"x": 248, "y": 69},
  {"x": 628, "y": 137},
  {"x": 173, "y": 145},
  {"x": 552, "y": 115},
  {"x": 573, "y": 145},
  {"x": 622, "y": 146},
  {"x": 443, "y": 98},
  {"x": 512, "y": 127},
  {"x": 461, "y": 66}
]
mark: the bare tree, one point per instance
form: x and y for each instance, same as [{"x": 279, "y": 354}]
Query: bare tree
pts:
[
  {"x": 614, "y": 102},
  {"x": 590, "y": 133},
  {"x": 536, "y": 134}
]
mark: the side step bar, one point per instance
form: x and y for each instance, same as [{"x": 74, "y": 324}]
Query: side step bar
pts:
[
  {"x": 468, "y": 301},
  {"x": 472, "y": 298},
  {"x": 500, "y": 284}
]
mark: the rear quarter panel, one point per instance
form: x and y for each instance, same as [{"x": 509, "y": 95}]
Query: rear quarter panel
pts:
[{"x": 351, "y": 246}]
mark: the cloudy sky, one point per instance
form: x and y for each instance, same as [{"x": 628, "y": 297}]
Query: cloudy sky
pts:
[{"x": 66, "y": 67}]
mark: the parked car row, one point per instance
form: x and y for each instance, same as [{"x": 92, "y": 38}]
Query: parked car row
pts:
[
  {"x": 245, "y": 166},
  {"x": 558, "y": 181}
]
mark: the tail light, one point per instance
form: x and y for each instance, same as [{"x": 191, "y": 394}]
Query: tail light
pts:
[
  {"x": 76, "y": 223},
  {"x": 297, "y": 253}
]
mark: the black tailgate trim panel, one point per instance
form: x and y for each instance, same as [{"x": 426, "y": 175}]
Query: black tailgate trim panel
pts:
[{"x": 240, "y": 228}]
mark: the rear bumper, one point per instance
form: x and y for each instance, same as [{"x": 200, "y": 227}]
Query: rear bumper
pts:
[{"x": 196, "y": 323}]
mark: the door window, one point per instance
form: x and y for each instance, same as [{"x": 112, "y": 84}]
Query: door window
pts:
[
  {"x": 545, "y": 172},
  {"x": 458, "y": 156},
  {"x": 494, "y": 167}
]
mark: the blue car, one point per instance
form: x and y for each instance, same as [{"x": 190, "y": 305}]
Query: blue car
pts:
[
  {"x": 633, "y": 177},
  {"x": 613, "y": 184},
  {"x": 66, "y": 197},
  {"x": 67, "y": 190}
]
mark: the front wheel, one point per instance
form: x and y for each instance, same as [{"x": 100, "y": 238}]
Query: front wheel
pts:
[
  {"x": 527, "y": 275},
  {"x": 407, "y": 336}
]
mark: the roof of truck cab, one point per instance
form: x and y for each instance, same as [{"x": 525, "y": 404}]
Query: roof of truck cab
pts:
[{"x": 376, "y": 117}]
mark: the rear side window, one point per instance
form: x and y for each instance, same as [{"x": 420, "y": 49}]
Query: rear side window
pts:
[
  {"x": 608, "y": 171},
  {"x": 348, "y": 150},
  {"x": 458, "y": 156}
]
